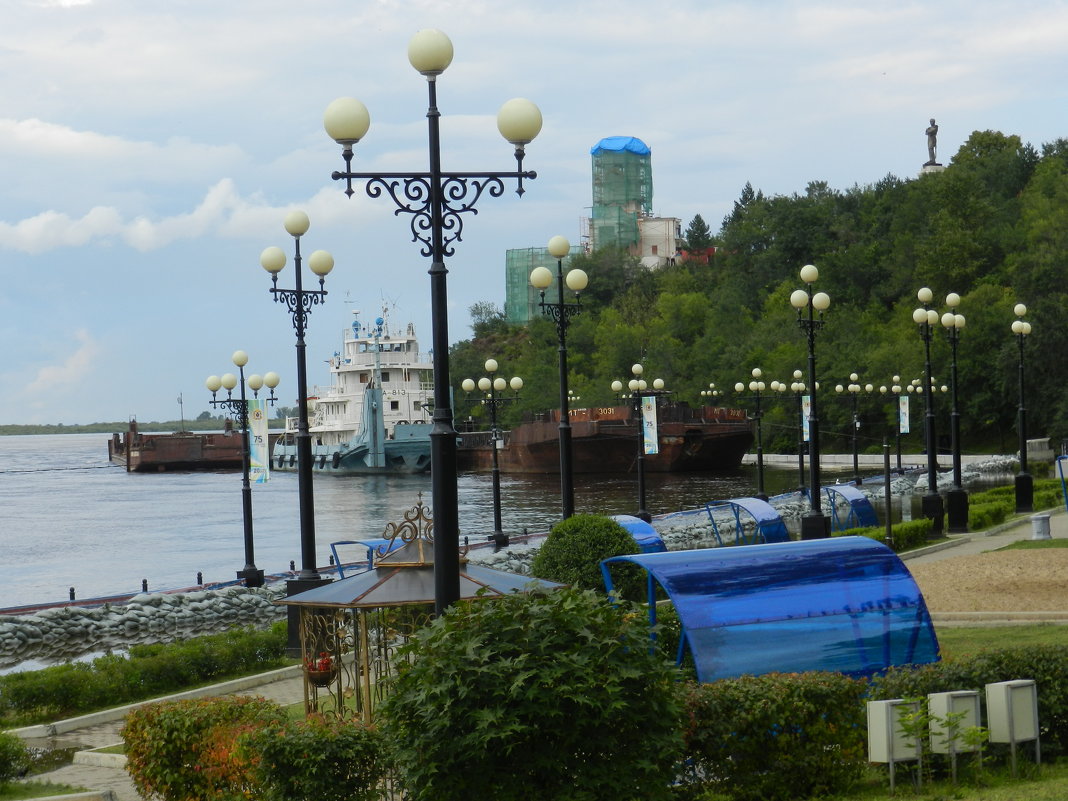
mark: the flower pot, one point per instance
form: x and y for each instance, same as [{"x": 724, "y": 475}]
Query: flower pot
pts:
[{"x": 321, "y": 678}]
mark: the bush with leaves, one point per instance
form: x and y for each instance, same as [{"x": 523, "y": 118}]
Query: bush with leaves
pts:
[
  {"x": 186, "y": 750},
  {"x": 778, "y": 736},
  {"x": 1046, "y": 664},
  {"x": 14, "y": 758},
  {"x": 573, "y": 551},
  {"x": 907, "y": 534},
  {"x": 552, "y": 694},
  {"x": 318, "y": 758}
]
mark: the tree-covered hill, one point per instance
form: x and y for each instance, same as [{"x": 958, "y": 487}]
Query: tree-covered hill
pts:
[{"x": 992, "y": 227}]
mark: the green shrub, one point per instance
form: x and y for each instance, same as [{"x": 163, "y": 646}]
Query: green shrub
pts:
[
  {"x": 778, "y": 736},
  {"x": 553, "y": 694},
  {"x": 1046, "y": 664},
  {"x": 983, "y": 515},
  {"x": 149, "y": 671},
  {"x": 573, "y": 551},
  {"x": 186, "y": 750},
  {"x": 318, "y": 758},
  {"x": 907, "y": 534},
  {"x": 14, "y": 758}
]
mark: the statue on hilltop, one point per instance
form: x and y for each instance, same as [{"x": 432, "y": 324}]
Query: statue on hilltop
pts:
[{"x": 932, "y": 144}]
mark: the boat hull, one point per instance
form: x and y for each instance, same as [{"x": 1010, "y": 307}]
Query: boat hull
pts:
[
  {"x": 160, "y": 453},
  {"x": 403, "y": 456},
  {"x": 606, "y": 441}
]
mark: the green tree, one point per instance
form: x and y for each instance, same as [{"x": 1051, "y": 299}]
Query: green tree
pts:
[{"x": 698, "y": 235}]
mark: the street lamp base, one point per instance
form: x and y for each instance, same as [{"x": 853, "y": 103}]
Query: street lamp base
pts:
[
  {"x": 1025, "y": 493},
  {"x": 294, "y": 587},
  {"x": 499, "y": 540},
  {"x": 931, "y": 507},
  {"x": 252, "y": 576},
  {"x": 957, "y": 510},
  {"x": 815, "y": 526},
  {"x": 641, "y": 514}
]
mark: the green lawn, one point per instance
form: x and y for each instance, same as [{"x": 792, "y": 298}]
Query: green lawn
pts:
[
  {"x": 17, "y": 790},
  {"x": 1048, "y": 782},
  {"x": 968, "y": 640},
  {"x": 1031, "y": 545}
]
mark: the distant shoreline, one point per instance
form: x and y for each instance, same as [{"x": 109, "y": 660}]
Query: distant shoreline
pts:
[{"x": 172, "y": 426}]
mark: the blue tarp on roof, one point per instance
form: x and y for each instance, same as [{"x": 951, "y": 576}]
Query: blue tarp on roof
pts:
[
  {"x": 844, "y": 604},
  {"x": 620, "y": 143}
]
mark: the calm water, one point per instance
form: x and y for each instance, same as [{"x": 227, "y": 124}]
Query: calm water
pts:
[{"x": 68, "y": 518}]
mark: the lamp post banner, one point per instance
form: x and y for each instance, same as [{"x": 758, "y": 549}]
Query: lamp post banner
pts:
[
  {"x": 806, "y": 412},
  {"x": 650, "y": 440},
  {"x": 903, "y": 413},
  {"x": 259, "y": 457}
]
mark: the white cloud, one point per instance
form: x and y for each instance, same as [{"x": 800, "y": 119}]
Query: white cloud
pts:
[{"x": 63, "y": 379}]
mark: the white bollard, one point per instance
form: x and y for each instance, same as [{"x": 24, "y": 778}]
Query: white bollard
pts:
[{"x": 1040, "y": 527}]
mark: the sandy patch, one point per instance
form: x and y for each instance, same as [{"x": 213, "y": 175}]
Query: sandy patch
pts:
[{"x": 996, "y": 581}]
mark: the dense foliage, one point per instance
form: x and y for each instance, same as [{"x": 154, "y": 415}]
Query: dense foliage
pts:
[
  {"x": 777, "y": 737},
  {"x": 1047, "y": 665},
  {"x": 553, "y": 695},
  {"x": 993, "y": 227},
  {"x": 318, "y": 758},
  {"x": 147, "y": 672},
  {"x": 186, "y": 750},
  {"x": 573, "y": 551},
  {"x": 14, "y": 758}
]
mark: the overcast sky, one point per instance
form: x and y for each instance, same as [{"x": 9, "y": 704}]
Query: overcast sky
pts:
[{"x": 150, "y": 150}]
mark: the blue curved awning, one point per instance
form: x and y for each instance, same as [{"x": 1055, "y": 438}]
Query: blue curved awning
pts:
[
  {"x": 861, "y": 512},
  {"x": 846, "y": 604},
  {"x": 769, "y": 526},
  {"x": 643, "y": 533}
]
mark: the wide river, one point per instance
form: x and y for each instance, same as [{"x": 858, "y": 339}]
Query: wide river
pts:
[{"x": 68, "y": 518}]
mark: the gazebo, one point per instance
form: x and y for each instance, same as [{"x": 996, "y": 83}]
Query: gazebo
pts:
[{"x": 350, "y": 630}]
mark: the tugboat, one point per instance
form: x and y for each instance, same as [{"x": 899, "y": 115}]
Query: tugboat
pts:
[{"x": 375, "y": 417}]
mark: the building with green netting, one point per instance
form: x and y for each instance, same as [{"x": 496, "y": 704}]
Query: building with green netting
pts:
[
  {"x": 520, "y": 298},
  {"x": 621, "y": 217}
]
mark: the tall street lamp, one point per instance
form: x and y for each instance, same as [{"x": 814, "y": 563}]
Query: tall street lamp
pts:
[
  {"x": 957, "y": 496},
  {"x": 896, "y": 389},
  {"x": 854, "y": 389},
  {"x": 561, "y": 313},
  {"x": 756, "y": 386},
  {"x": 300, "y": 301},
  {"x": 926, "y": 318},
  {"x": 797, "y": 386},
  {"x": 810, "y": 308},
  {"x": 1025, "y": 486},
  {"x": 252, "y": 575},
  {"x": 436, "y": 201},
  {"x": 644, "y": 400},
  {"x": 492, "y": 386}
]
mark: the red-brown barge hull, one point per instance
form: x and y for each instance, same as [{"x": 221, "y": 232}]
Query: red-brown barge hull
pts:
[{"x": 605, "y": 440}]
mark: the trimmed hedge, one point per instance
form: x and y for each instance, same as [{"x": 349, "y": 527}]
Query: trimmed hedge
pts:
[
  {"x": 148, "y": 672},
  {"x": 573, "y": 551},
  {"x": 778, "y": 736},
  {"x": 1047, "y": 665},
  {"x": 185, "y": 750},
  {"x": 906, "y": 535}
]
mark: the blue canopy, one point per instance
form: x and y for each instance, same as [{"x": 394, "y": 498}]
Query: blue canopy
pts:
[
  {"x": 768, "y": 527},
  {"x": 643, "y": 533},
  {"x": 861, "y": 512},
  {"x": 617, "y": 144},
  {"x": 845, "y": 604}
]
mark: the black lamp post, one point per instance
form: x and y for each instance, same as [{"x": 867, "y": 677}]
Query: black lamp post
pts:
[
  {"x": 896, "y": 389},
  {"x": 1025, "y": 486},
  {"x": 436, "y": 201},
  {"x": 639, "y": 391},
  {"x": 492, "y": 387},
  {"x": 300, "y": 301},
  {"x": 561, "y": 313},
  {"x": 756, "y": 386},
  {"x": 957, "y": 496},
  {"x": 252, "y": 575},
  {"x": 798, "y": 388},
  {"x": 854, "y": 389},
  {"x": 810, "y": 308},
  {"x": 931, "y": 504}
]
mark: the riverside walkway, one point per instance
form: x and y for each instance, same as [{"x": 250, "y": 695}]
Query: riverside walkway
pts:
[{"x": 107, "y": 777}]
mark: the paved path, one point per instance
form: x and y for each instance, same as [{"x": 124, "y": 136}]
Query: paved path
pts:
[{"x": 110, "y": 782}]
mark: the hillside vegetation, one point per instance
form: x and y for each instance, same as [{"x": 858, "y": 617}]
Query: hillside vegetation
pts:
[{"x": 993, "y": 228}]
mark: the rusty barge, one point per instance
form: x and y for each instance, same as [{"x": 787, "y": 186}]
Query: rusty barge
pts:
[
  {"x": 605, "y": 440},
  {"x": 182, "y": 450}
]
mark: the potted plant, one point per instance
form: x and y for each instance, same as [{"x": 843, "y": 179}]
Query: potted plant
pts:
[{"x": 320, "y": 671}]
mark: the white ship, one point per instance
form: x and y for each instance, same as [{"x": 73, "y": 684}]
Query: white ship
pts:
[{"x": 375, "y": 418}]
